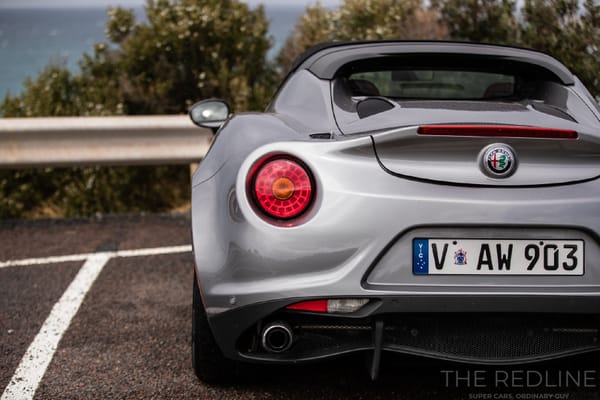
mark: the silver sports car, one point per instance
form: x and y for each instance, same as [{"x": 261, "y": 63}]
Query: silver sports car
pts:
[{"x": 431, "y": 198}]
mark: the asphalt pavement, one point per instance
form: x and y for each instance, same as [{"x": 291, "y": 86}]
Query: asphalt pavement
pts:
[{"x": 119, "y": 308}]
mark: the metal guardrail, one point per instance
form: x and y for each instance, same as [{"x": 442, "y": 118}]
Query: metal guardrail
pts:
[{"x": 76, "y": 141}]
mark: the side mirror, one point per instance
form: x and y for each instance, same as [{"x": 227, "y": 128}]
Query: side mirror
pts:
[{"x": 210, "y": 113}]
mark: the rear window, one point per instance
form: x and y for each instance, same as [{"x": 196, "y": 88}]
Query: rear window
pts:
[{"x": 432, "y": 84}]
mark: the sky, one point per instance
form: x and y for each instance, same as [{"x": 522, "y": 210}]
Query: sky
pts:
[{"x": 135, "y": 3}]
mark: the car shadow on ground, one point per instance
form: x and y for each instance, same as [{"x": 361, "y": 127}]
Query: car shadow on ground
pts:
[{"x": 406, "y": 377}]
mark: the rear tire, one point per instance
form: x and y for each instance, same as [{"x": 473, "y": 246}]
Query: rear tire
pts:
[{"x": 210, "y": 365}]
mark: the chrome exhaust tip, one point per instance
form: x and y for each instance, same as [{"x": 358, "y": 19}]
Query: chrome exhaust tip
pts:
[{"x": 277, "y": 337}]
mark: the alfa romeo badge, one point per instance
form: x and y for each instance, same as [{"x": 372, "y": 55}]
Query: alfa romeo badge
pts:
[{"x": 499, "y": 161}]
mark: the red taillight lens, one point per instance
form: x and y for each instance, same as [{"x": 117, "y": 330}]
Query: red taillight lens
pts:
[
  {"x": 282, "y": 188},
  {"x": 332, "y": 306},
  {"x": 319, "y": 306}
]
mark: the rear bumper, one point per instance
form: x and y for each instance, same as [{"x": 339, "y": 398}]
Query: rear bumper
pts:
[{"x": 470, "y": 328}]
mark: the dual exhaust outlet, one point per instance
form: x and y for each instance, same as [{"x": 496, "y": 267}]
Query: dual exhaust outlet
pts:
[{"x": 277, "y": 337}]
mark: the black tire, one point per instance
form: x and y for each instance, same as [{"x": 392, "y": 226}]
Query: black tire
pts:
[{"x": 210, "y": 365}]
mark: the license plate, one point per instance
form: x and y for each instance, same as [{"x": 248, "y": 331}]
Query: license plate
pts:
[{"x": 497, "y": 257}]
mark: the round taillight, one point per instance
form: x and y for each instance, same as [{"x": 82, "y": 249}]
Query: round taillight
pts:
[{"x": 282, "y": 188}]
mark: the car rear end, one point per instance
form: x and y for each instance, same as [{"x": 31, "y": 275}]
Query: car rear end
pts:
[
  {"x": 494, "y": 274},
  {"x": 455, "y": 216}
]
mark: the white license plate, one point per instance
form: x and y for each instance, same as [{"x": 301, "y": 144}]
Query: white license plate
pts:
[{"x": 498, "y": 257}]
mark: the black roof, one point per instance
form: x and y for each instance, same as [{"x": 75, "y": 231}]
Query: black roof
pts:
[{"x": 325, "y": 59}]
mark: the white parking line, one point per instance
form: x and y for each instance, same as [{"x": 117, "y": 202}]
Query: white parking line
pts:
[
  {"x": 33, "y": 365},
  {"x": 85, "y": 256},
  {"x": 45, "y": 260},
  {"x": 38, "y": 356}
]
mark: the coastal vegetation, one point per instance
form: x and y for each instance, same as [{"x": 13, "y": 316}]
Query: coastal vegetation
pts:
[{"x": 187, "y": 50}]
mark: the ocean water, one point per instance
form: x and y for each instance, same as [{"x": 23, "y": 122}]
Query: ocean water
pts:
[{"x": 32, "y": 38}]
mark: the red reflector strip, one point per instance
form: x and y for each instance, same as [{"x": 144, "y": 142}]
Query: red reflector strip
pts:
[
  {"x": 311, "y": 305},
  {"x": 510, "y": 131}
]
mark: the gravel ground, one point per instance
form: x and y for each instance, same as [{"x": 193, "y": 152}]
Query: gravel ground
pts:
[{"x": 131, "y": 336}]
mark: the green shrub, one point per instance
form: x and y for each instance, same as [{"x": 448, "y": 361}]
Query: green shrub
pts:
[{"x": 184, "y": 51}]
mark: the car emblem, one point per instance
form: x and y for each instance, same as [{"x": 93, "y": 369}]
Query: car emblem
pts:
[{"x": 499, "y": 161}]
